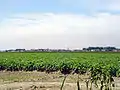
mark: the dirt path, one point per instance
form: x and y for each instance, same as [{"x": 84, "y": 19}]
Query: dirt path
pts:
[
  {"x": 41, "y": 81},
  {"x": 37, "y": 86},
  {"x": 44, "y": 86}
]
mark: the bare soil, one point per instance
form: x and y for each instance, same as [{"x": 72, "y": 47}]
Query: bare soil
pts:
[{"x": 42, "y": 81}]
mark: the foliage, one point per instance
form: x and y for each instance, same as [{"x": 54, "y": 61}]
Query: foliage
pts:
[
  {"x": 64, "y": 62},
  {"x": 101, "y": 66}
]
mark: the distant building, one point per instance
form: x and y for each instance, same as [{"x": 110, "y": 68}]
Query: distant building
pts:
[
  {"x": 99, "y": 49},
  {"x": 89, "y": 49},
  {"x": 20, "y": 50},
  {"x": 11, "y": 50}
]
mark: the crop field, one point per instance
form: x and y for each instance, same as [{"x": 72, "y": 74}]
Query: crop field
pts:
[
  {"x": 101, "y": 67},
  {"x": 64, "y": 62}
]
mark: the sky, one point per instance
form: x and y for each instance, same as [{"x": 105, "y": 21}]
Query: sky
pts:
[{"x": 56, "y": 24}]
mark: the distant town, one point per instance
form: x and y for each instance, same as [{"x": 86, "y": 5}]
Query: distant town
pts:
[{"x": 89, "y": 49}]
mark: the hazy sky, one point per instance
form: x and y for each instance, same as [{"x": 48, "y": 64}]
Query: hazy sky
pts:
[{"x": 59, "y": 23}]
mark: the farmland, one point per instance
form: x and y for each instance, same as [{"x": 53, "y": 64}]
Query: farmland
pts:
[
  {"x": 99, "y": 66},
  {"x": 64, "y": 62}
]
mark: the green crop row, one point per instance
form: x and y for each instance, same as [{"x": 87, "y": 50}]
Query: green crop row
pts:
[
  {"x": 101, "y": 67},
  {"x": 64, "y": 62}
]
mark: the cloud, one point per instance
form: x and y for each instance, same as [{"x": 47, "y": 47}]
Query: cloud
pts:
[
  {"x": 111, "y": 5},
  {"x": 50, "y": 30},
  {"x": 93, "y": 6}
]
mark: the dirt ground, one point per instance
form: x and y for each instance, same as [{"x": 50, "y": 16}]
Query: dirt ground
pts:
[{"x": 42, "y": 81}]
